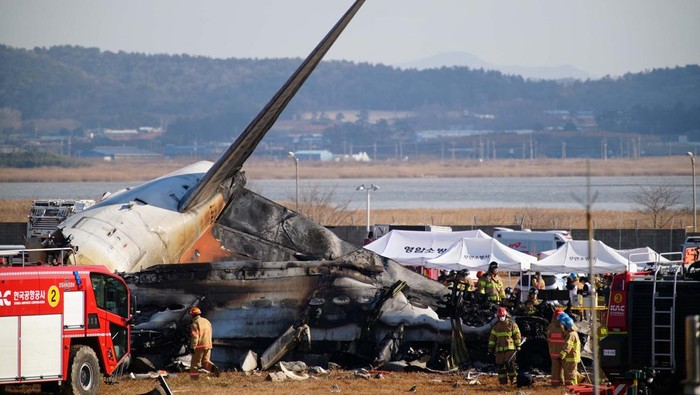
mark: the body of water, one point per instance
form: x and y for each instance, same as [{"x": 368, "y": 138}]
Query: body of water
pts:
[{"x": 612, "y": 193}]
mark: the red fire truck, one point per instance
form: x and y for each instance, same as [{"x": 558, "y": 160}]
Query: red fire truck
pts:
[
  {"x": 644, "y": 351},
  {"x": 62, "y": 326}
]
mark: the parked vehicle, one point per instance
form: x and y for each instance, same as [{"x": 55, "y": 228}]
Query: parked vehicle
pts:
[
  {"x": 62, "y": 326},
  {"x": 552, "y": 281},
  {"x": 644, "y": 350},
  {"x": 532, "y": 242}
]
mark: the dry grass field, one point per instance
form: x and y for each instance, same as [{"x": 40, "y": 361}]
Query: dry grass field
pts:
[
  {"x": 16, "y": 211},
  {"x": 342, "y": 382},
  {"x": 281, "y": 169}
]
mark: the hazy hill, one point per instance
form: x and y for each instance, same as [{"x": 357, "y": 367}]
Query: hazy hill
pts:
[
  {"x": 218, "y": 97},
  {"x": 465, "y": 59}
]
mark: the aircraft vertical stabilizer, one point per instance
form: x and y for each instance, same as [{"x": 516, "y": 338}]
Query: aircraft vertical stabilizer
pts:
[{"x": 236, "y": 155}]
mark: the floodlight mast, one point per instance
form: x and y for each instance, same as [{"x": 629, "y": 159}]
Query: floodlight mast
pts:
[{"x": 369, "y": 189}]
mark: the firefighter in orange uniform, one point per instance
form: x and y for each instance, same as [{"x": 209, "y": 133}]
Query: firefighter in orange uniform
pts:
[
  {"x": 555, "y": 342},
  {"x": 505, "y": 342},
  {"x": 200, "y": 343},
  {"x": 570, "y": 355},
  {"x": 538, "y": 281}
]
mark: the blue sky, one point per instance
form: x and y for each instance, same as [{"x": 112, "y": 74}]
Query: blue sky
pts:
[{"x": 600, "y": 37}]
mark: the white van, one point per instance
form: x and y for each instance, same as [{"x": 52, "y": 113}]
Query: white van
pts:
[{"x": 530, "y": 242}]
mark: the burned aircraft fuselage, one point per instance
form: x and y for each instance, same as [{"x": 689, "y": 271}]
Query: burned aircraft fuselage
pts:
[{"x": 346, "y": 302}]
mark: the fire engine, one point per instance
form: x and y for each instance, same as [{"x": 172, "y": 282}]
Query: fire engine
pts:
[
  {"x": 62, "y": 326},
  {"x": 644, "y": 348}
]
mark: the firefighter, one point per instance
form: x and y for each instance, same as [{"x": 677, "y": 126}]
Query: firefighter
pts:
[
  {"x": 538, "y": 281},
  {"x": 200, "y": 343},
  {"x": 477, "y": 288},
  {"x": 490, "y": 284},
  {"x": 448, "y": 279},
  {"x": 464, "y": 283},
  {"x": 555, "y": 343},
  {"x": 504, "y": 342},
  {"x": 510, "y": 300},
  {"x": 532, "y": 304},
  {"x": 570, "y": 355},
  {"x": 575, "y": 287}
]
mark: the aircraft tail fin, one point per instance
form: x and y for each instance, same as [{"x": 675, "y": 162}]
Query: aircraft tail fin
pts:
[{"x": 235, "y": 156}]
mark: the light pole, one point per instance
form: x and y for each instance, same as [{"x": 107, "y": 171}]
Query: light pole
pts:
[
  {"x": 695, "y": 214},
  {"x": 296, "y": 169},
  {"x": 369, "y": 189}
]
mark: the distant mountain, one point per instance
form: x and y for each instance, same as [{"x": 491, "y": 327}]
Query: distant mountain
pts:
[
  {"x": 450, "y": 59},
  {"x": 102, "y": 89}
]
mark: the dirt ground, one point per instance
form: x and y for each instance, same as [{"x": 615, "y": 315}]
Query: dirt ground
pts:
[{"x": 342, "y": 382}]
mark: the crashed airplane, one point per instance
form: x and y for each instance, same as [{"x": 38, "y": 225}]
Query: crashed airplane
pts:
[{"x": 269, "y": 279}]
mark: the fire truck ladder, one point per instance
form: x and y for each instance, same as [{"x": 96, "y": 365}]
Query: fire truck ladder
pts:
[{"x": 663, "y": 316}]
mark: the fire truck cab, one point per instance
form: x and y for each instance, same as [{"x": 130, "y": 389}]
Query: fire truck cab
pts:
[{"x": 62, "y": 325}]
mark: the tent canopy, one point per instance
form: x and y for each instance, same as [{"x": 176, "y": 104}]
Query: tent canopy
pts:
[
  {"x": 478, "y": 253},
  {"x": 573, "y": 257},
  {"x": 413, "y": 248},
  {"x": 643, "y": 255}
]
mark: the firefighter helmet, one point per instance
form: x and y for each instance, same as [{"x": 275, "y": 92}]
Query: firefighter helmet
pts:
[
  {"x": 195, "y": 311},
  {"x": 502, "y": 312},
  {"x": 565, "y": 320}
]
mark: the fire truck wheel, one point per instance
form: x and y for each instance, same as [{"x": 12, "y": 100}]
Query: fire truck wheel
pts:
[{"x": 84, "y": 371}]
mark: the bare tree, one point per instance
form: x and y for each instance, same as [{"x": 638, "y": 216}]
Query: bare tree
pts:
[
  {"x": 317, "y": 204},
  {"x": 657, "y": 202}
]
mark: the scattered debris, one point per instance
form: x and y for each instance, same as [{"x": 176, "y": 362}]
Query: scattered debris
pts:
[
  {"x": 362, "y": 374},
  {"x": 318, "y": 370},
  {"x": 294, "y": 370},
  {"x": 335, "y": 388},
  {"x": 249, "y": 361},
  {"x": 149, "y": 375},
  {"x": 276, "y": 377},
  {"x": 474, "y": 382},
  {"x": 161, "y": 387}
]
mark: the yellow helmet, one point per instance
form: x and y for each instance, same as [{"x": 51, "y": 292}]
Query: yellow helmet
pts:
[{"x": 195, "y": 311}]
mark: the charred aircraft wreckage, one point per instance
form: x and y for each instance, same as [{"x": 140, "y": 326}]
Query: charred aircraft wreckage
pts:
[{"x": 269, "y": 279}]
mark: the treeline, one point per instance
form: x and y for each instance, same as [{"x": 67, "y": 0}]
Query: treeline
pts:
[
  {"x": 219, "y": 97},
  {"x": 29, "y": 159}
]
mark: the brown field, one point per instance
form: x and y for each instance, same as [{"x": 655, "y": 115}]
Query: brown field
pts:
[
  {"x": 16, "y": 211},
  {"x": 391, "y": 383},
  {"x": 529, "y": 217},
  {"x": 257, "y": 169}
]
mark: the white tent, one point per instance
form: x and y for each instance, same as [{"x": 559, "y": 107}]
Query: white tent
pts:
[
  {"x": 573, "y": 257},
  {"x": 478, "y": 253},
  {"x": 413, "y": 248},
  {"x": 643, "y": 256}
]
